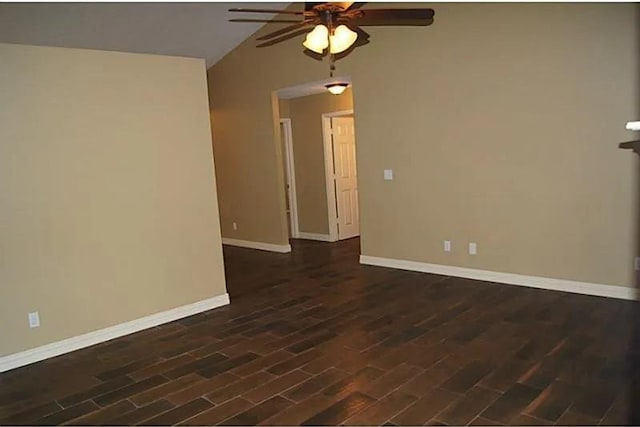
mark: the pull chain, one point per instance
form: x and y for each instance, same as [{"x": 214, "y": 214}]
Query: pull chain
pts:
[{"x": 332, "y": 65}]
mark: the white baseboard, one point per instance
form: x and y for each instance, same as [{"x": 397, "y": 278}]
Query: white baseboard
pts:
[
  {"x": 257, "y": 245},
  {"x": 314, "y": 236},
  {"x": 585, "y": 288},
  {"x": 37, "y": 354}
]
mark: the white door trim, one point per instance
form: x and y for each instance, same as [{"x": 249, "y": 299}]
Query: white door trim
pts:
[
  {"x": 329, "y": 172},
  {"x": 290, "y": 176}
]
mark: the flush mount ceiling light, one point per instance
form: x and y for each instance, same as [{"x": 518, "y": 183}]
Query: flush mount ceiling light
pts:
[
  {"x": 337, "y": 88},
  {"x": 633, "y": 126}
]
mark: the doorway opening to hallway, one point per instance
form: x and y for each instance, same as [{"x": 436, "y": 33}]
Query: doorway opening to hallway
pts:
[{"x": 319, "y": 158}]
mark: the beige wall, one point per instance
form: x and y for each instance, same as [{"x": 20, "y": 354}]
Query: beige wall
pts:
[
  {"x": 108, "y": 207},
  {"x": 500, "y": 121},
  {"x": 308, "y": 152}
]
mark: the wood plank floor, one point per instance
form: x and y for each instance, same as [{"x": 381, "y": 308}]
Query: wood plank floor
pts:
[{"x": 314, "y": 338}]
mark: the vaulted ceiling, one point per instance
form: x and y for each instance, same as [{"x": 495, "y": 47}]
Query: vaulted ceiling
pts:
[{"x": 199, "y": 30}]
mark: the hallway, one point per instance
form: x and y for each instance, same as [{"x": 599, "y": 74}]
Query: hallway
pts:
[{"x": 249, "y": 270}]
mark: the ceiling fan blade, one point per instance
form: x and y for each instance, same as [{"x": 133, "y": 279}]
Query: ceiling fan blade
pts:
[
  {"x": 275, "y": 21},
  {"x": 275, "y": 12},
  {"x": 285, "y": 30},
  {"x": 375, "y": 17},
  {"x": 343, "y": 4},
  {"x": 356, "y": 5},
  {"x": 309, "y": 5},
  {"x": 283, "y": 38}
]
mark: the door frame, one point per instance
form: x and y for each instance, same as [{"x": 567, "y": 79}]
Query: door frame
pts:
[
  {"x": 290, "y": 177},
  {"x": 329, "y": 172}
]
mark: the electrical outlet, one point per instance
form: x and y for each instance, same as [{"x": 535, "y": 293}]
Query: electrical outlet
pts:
[
  {"x": 447, "y": 246},
  {"x": 235, "y": 226},
  {"x": 388, "y": 174},
  {"x": 473, "y": 249},
  {"x": 34, "y": 319}
]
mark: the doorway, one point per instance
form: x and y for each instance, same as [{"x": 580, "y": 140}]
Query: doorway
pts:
[
  {"x": 318, "y": 153},
  {"x": 341, "y": 174},
  {"x": 289, "y": 177}
]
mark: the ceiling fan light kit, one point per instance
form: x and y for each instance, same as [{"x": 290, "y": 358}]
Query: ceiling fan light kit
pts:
[
  {"x": 336, "y": 28},
  {"x": 341, "y": 39},
  {"x": 633, "y": 126},
  {"x": 317, "y": 40}
]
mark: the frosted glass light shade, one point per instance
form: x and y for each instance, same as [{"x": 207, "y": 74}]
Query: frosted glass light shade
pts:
[
  {"x": 633, "y": 126},
  {"x": 317, "y": 40},
  {"x": 337, "y": 88},
  {"x": 342, "y": 38}
]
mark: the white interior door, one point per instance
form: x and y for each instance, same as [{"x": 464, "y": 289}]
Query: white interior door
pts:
[{"x": 346, "y": 182}]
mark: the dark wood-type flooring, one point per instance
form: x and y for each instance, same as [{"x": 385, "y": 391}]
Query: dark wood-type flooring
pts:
[{"x": 314, "y": 338}]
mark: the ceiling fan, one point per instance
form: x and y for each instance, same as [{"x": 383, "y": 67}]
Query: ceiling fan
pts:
[{"x": 334, "y": 28}]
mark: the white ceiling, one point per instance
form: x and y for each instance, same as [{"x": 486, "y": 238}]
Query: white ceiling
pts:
[
  {"x": 199, "y": 30},
  {"x": 311, "y": 88}
]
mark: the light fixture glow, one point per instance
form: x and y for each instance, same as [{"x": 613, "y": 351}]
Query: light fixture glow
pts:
[
  {"x": 337, "y": 88},
  {"x": 318, "y": 39},
  {"x": 633, "y": 126},
  {"x": 342, "y": 39}
]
